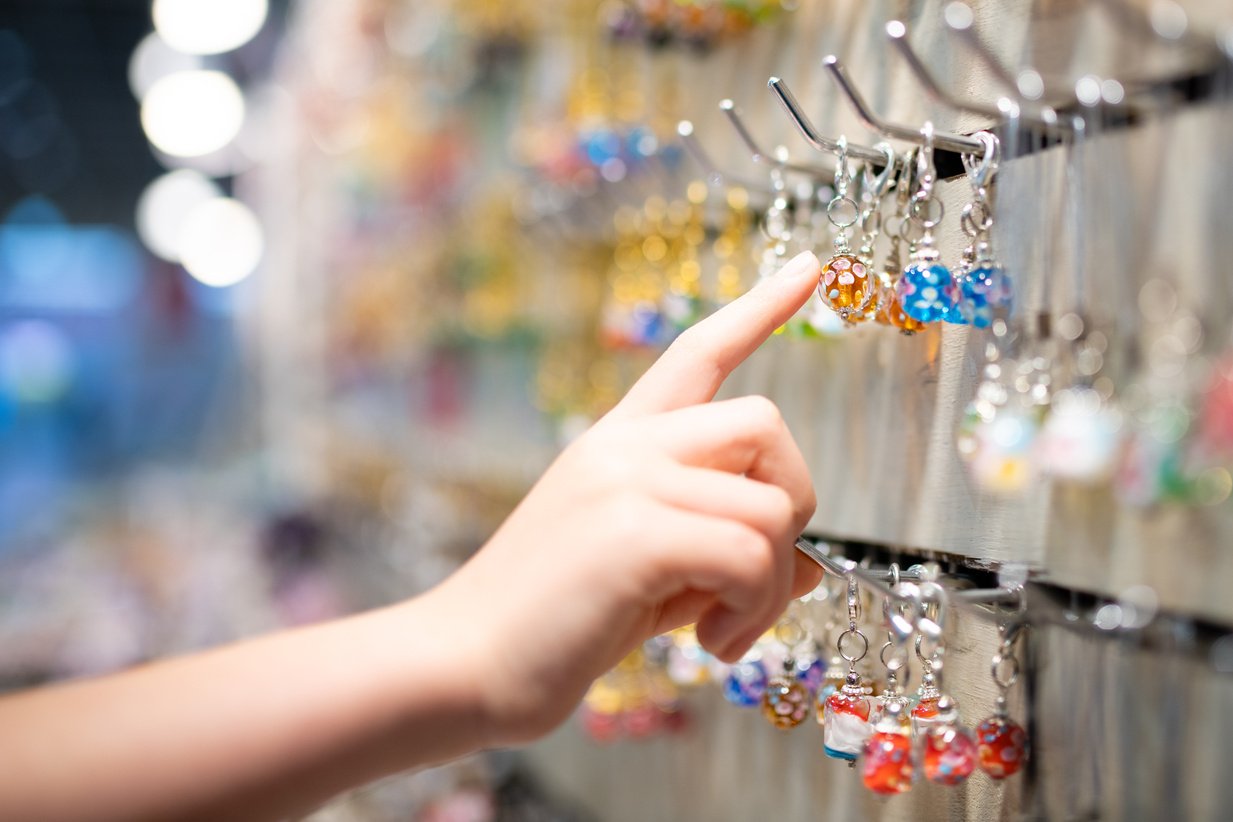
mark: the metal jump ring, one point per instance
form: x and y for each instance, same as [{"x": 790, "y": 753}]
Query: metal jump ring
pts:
[
  {"x": 839, "y": 644},
  {"x": 919, "y": 215},
  {"x": 838, "y": 202},
  {"x": 900, "y": 657},
  {"x": 1012, "y": 666}
]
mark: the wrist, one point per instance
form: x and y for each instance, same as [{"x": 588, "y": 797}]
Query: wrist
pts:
[{"x": 438, "y": 675}]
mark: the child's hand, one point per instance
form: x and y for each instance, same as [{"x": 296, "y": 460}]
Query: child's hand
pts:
[{"x": 671, "y": 510}]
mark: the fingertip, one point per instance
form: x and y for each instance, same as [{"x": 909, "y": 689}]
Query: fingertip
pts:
[{"x": 719, "y": 632}]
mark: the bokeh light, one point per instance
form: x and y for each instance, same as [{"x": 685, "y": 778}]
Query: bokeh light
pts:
[
  {"x": 165, "y": 206},
  {"x": 222, "y": 242},
  {"x": 36, "y": 362},
  {"x": 192, "y": 113},
  {"x": 209, "y": 26},
  {"x": 153, "y": 60}
]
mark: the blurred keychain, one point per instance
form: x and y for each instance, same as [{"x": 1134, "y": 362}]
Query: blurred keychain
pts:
[{"x": 785, "y": 703}]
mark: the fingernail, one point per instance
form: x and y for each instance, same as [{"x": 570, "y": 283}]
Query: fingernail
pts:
[{"x": 804, "y": 262}]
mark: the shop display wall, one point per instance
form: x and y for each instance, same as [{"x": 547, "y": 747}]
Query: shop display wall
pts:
[{"x": 395, "y": 228}]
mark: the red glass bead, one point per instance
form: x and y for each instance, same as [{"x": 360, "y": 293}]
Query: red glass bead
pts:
[
  {"x": 887, "y": 768},
  {"x": 1003, "y": 746},
  {"x": 950, "y": 755}
]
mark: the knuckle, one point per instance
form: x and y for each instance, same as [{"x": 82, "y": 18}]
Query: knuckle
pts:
[
  {"x": 763, "y": 414},
  {"x": 756, "y": 551},
  {"x": 781, "y": 507}
]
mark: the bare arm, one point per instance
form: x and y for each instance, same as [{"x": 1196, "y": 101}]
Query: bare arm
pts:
[{"x": 671, "y": 510}]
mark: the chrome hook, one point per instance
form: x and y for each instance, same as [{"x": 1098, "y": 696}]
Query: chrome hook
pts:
[
  {"x": 1027, "y": 86},
  {"x": 957, "y": 143},
  {"x": 759, "y": 156},
  {"x": 811, "y": 133},
  {"x": 716, "y": 176},
  {"x": 897, "y": 33}
]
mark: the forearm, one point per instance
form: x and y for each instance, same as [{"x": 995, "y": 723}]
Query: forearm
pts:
[{"x": 261, "y": 730}]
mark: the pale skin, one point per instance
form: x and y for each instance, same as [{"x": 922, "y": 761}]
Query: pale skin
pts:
[{"x": 671, "y": 510}]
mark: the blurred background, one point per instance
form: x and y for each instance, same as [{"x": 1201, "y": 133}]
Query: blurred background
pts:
[{"x": 298, "y": 297}]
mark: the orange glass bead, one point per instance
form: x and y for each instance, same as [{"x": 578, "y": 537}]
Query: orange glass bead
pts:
[
  {"x": 785, "y": 703},
  {"x": 890, "y": 310},
  {"x": 847, "y": 286}
]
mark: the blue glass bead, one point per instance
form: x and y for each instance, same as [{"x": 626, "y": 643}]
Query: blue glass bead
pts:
[
  {"x": 985, "y": 289},
  {"x": 745, "y": 683},
  {"x": 811, "y": 672},
  {"x": 927, "y": 292}
]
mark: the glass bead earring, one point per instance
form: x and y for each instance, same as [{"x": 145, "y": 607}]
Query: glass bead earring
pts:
[
  {"x": 950, "y": 750},
  {"x": 985, "y": 290},
  {"x": 927, "y": 289},
  {"x": 847, "y": 285},
  {"x": 785, "y": 703},
  {"x": 888, "y": 767},
  {"x": 846, "y": 712},
  {"x": 1003, "y": 744},
  {"x": 874, "y": 187},
  {"x": 890, "y": 305}
]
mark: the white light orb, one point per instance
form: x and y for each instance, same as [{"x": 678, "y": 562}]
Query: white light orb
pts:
[
  {"x": 209, "y": 26},
  {"x": 165, "y": 207},
  {"x": 221, "y": 243},
  {"x": 192, "y": 113},
  {"x": 153, "y": 60}
]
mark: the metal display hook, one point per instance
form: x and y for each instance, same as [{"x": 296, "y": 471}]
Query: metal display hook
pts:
[
  {"x": 958, "y": 143},
  {"x": 717, "y": 176},
  {"x": 759, "y": 155},
  {"x": 1004, "y": 109},
  {"x": 814, "y": 137},
  {"x": 1027, "y": 85}
]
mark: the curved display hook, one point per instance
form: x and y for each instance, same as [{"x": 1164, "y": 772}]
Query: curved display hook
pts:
[
  {"x": 1027, "y": 86},
  {"x": 759, "y": 156},
  {"x": 811, "y": 133},
  {"x": 957, "y": 143},
  {"x": 897, "y": 33},
  {"x": 685, "y": 130}
]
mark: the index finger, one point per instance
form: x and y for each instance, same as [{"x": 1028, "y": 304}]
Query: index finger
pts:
[{"x": 695, "y": 366}]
